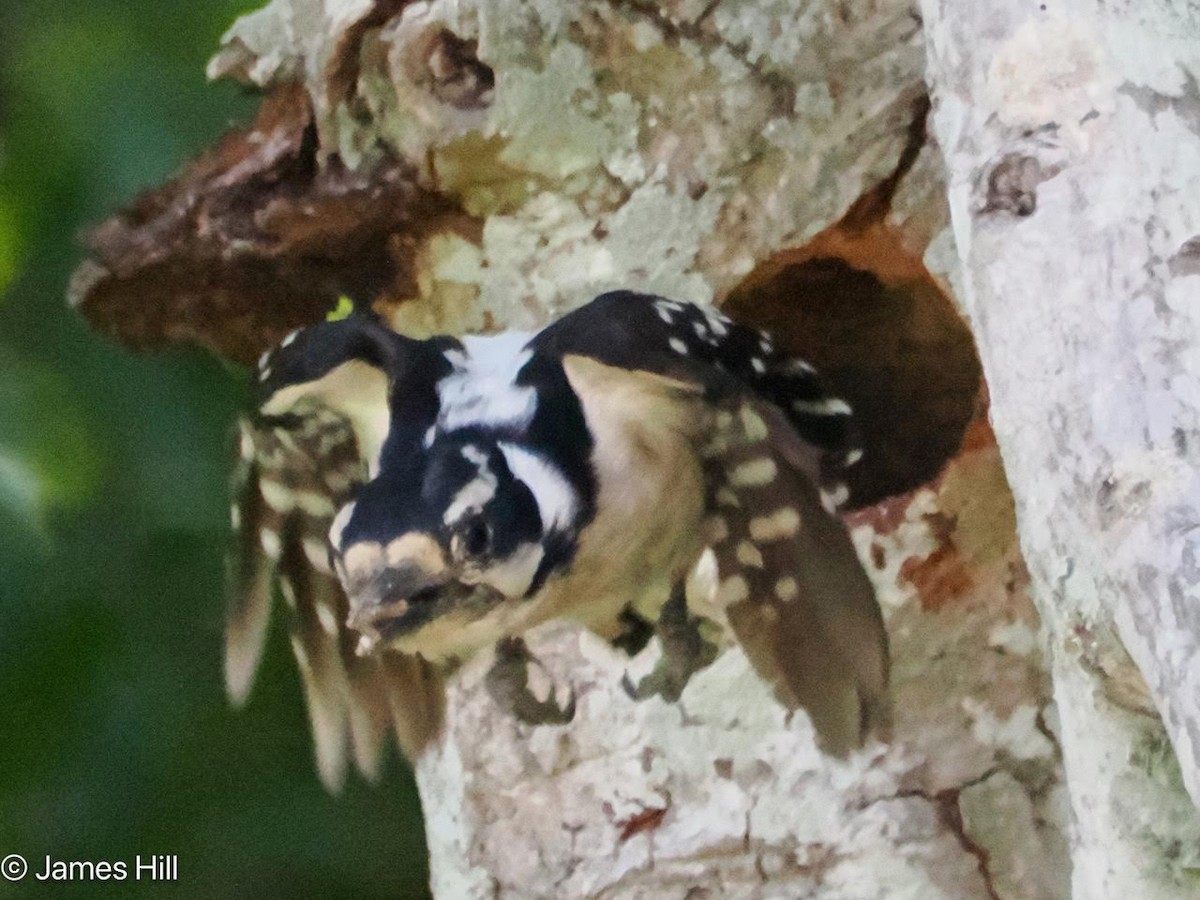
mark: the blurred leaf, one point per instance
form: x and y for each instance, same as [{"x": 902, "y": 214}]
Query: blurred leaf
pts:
[
  {"x": 47, "y": 460},
  {"x": 11, "y": 243}
]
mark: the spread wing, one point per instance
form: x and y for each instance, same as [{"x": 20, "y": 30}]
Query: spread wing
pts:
[
  {"x": 301, "y": 456},
  {"x": 790, "y": 582}
]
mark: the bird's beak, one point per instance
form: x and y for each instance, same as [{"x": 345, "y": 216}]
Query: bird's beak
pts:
[
  {"x": 391, "y": 593},
  {"x": 393, "y": 588}
]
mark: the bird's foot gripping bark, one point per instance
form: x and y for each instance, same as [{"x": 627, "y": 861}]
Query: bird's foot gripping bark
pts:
[
  {"x": 685, "y": 651},
  {"x": 508, "y": 684}
]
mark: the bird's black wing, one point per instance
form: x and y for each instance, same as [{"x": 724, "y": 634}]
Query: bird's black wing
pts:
[{"x": 681, "y": 340}]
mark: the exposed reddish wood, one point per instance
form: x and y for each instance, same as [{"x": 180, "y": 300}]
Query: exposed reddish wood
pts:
[
  {"x": 646, "y": 820},
  {"x": 939, "y": 578}
]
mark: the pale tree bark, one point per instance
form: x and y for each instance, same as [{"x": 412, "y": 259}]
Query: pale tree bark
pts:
[
  {"x": 477, "y": 164},
  {"x": 1071, "y": 133}
]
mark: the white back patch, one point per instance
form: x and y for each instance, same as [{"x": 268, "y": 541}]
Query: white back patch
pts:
[
  {"x": 482, "y": 389},
  {"x": 556, "y": 499}
]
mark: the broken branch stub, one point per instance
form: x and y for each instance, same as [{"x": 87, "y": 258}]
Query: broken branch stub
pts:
[{"x": 255, "y": 238}]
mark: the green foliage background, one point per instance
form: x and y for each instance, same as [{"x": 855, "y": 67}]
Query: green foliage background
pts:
[{"x": 115, "y": 737}]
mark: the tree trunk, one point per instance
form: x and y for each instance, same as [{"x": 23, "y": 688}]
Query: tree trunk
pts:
[
  {"x": 475, "y": 164},
  {"x": 1072, "y": 142}
]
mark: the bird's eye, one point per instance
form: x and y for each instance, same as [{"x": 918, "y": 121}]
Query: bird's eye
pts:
[{"x": 476, "y": 536}]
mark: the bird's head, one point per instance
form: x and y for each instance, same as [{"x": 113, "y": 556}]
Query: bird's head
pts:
[{"x": 436, "y": 555}]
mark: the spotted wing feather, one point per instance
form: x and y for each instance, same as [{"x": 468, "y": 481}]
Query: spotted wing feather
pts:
[
  {"x": 790, "y": 582},
  {"x": 295, "y": 471}
]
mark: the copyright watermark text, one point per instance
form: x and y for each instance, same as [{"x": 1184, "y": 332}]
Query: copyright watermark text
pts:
[{"x": 157, "y": 867}]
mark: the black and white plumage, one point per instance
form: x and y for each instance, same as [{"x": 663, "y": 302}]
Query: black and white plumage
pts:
[{"x": 421, "y": 500}]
